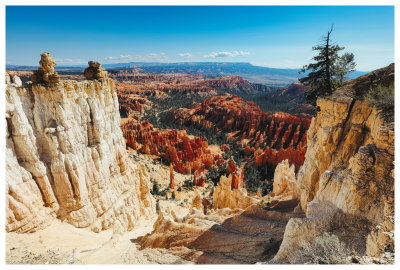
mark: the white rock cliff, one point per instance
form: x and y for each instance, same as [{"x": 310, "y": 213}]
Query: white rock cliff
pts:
[{"x": 66, "y": 158}]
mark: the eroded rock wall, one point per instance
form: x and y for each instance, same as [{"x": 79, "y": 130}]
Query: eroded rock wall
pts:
[
  {"x": 66, "y": 158},
  {"x": 347, "y": 181}
]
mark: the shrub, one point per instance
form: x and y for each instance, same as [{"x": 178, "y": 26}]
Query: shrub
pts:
[
  {"x": 324, "y": 249},
  {"x": 254, "y": 180},
  {"x": 214, "y": 173},
  {"x": 188, "y": 183},
  {"x": 383, "y": 98},
  {"x": 156, "y": 190},
  {"x": 157, "y": 206}
]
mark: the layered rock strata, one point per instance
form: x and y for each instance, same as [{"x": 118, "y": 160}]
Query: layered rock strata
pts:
[
  {"x": 346, "y": 183},
  {"x": 46, "y": 73},
  {"x": 228, "y": 236},
  {"x": 94, "y": 71},
  {"x": 66, "y": 158}
]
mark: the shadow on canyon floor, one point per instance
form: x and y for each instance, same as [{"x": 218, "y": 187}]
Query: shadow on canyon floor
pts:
[{"x": 253, "y": 236}]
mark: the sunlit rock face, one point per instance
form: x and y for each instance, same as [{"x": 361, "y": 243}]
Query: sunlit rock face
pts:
[
  {"x": 225, "y": 196},
  {"x": 66, "y": 158},
  {"x": 46, "y": 73},
  {"x": 346, "y": 183},
  {"x": 95, "y": 71},
  {"x": 285, "y": 186}
]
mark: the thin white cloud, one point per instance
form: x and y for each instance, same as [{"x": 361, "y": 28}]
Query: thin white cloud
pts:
[
  {"x": 185, "y": 55},
  {"x": 131, "y": 58},
  {"x": 120, "y": 57},
  {"x": 226, "y": 54},
  {"x": 69, "y": 61},
  {"x": 157, "y": 56}
]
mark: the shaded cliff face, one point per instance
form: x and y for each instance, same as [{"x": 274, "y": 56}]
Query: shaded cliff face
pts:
[
  {"x": 289, "y": 100},
  {"x": 346, "y": 184},
  {"x": 66, "y": 158}
]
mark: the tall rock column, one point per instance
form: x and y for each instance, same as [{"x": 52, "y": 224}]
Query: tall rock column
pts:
[
  {"x": 171, "y": 177},
  {"x": 46, "y": 73}
]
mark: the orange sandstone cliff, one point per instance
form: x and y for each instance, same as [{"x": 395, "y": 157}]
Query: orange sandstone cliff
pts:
[{"x": 346, "y": 184}]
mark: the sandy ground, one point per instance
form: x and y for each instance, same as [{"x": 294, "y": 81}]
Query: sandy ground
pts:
[{"x": 65, "y": 244}]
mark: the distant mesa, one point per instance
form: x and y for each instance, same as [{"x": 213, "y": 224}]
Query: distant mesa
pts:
[{"x": 46, "y": 73}]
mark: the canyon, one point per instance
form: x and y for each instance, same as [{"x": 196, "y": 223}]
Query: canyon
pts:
[
  {"x": 90, "y": 179},
  {"x": 270, "y": 138}
]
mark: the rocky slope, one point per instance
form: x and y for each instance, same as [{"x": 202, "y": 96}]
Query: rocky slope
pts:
[
  {"x": 234, "y": 84},
  {"x": 346, "y": 184},
  {"x": 235, "y": 230},
  {"x": 66, "y": 155},
  {"x": 286, "y": 99}
]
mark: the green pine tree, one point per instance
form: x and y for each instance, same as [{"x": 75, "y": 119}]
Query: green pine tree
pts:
[
  {"x": 345, "y": 65},
  {"x": 325, "y": 75}
]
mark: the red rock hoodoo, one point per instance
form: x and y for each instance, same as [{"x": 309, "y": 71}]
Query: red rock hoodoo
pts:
[
  {"x": 270, "y": 138},
  {"x": 186, "y": 153}
]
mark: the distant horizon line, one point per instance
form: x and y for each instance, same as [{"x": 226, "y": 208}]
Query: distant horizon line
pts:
[{"x": 151, "y": 62}]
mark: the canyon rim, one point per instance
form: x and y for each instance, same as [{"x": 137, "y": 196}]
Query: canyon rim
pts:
[{"x": 154, "y": 159}]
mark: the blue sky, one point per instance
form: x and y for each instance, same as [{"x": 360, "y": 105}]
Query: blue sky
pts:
[{"x": 273, "y": 36}]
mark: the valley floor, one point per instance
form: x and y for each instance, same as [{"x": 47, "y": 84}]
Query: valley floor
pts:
[
  {"x": 241, "y": 238},
  {"x": 61, "y": 243},
  {"x": 180, "y": 234}
]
